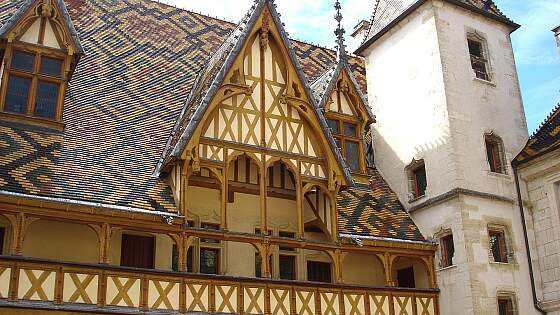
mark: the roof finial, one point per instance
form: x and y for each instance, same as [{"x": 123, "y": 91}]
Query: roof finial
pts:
[{"x": 339, "y": 32}]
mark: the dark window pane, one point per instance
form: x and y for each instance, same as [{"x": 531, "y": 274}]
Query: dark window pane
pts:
[
  {"x": 17, "y": 94},
  {"x": 23, "y": 61},
  {"x": 209, "y": 260},
  {"x": 350, "y": 129},
  {"x": 405, "y": 278},
  {"x": 333, "y": 124},
  {"x": 258, "y": 265},
  {"x": 2, "y": 233},
  {"x": 51, "y": 66},
  {"x": 498, "y": 246},
  {"x": 420, "y": 181},
  {"x": 352, "y": 155},
  {"x": 47, "y": 95},
  {"x": 448, "y": 250},
  {"x": 318, "y": 271},
  {"x": 287, "y": 267},
  {"x": 505, "y": 306},
  {"x": 475, "y": 48}
]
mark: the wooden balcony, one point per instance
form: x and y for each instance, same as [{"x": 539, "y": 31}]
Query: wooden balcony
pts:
[{"x": 42, "y": 284}]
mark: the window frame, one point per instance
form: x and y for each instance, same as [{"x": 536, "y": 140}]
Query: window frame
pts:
[
  {"x": 497, "y": 162},
  {"x": 504, "y": 248},
  {"x": 484, "y": 59},
  {"x": 446, "y": 261},
  {"x": 413, "y": 185},
  {"x": 507, "y": 298},
  {"x": 35, "y": 76},
  {"x": 340, "y": 136}
]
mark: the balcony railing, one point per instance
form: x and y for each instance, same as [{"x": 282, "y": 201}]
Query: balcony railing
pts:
[{"x": 43, "y": 284}]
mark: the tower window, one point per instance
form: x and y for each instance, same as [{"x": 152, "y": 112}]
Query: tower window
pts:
[
  {"x": 479, "y": 61},
  {"x": 495, "y": 154},
  {"x": 417, "y": 179},
  {"x": 506, "y": 305},
  {"x": 34, "y": 85},
  {"x": 447, "y": 250},
  {"x": 498, "y": 246}
]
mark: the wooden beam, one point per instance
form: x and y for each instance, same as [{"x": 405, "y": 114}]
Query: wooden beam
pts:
[
  {"x": 299, "y": 206},
  {"x": 262, "y": 183}
]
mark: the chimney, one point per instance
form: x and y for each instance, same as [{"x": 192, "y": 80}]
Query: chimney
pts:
[{"x": 358, "y": 35}]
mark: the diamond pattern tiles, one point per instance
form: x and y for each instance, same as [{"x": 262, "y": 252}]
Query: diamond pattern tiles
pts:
[
  {"x": 141, "y": 60},
  {"x": 546, "y": 138},
  {"x": 375, "y": 210}
]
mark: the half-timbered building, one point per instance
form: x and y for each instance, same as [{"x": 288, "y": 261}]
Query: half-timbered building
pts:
[{"x": 156, "y": 160}]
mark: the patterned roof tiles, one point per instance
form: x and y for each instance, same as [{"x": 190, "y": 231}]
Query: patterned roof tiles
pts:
[
  {"x": 544, "y": 140},
  {"x": 141, "y": 61}
]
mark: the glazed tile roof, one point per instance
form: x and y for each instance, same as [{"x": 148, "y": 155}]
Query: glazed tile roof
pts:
[
  {"x": 141, "y": 60},
  {"x": 387, "y": 11},
  {"x": 375, "y": 210},
  {"x": 545, "y": 139}
]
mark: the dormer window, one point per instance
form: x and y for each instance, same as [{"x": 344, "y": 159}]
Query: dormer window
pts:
[
  {"x": 34, "y": 85},
  {"x": 346, "y": 135}
]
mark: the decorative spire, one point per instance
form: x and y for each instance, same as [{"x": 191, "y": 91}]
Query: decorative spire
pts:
[{"x": 339, "y": 32}]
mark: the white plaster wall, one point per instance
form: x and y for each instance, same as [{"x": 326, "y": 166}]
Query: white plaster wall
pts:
[
  {"x": 476, "y": 106},
  {"x": 539, "y": 181},
  {"x": 407, "y": 95}
]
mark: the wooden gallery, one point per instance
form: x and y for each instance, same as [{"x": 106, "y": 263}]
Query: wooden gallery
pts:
[{"x": 155, "y": 160}]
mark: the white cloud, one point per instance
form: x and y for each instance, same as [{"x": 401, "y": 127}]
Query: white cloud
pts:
[{"x": 311, "y": 21}]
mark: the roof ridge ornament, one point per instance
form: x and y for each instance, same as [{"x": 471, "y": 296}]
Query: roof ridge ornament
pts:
[{"x": 339, "y": 32}]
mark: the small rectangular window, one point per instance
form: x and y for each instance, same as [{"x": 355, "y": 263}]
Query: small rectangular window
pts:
[
  {"x": 287, "y": 267},
  {"x": 47, "y": 96},
  {"x": 447, "y": 250},
  {"x": 23, "y": 61},
  {"x": 478, "y": 59},
  {"x": 318, "y": 271},
  {"x": 498, "y": 246},
  {"x": 353, "y": 155},
  {"x": 209, "y": 260},
  {"x": 51, "y": 66},
  {"x": 419, "y": 181},
  {"x": 505, "y": 306},
  {"x": 17, "y": 94}
]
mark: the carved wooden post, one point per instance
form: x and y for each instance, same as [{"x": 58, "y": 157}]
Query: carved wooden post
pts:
[
  {"x": 224, "y": 194},
  {"x": 185, "y": 174},
  {"x": 387, "y": 260},
  {"x": 336, "y": 257},
  {"x": 104, "y": 240},
  {"x": 264, "y": 224},
  {"x": 265, "y": 253},
  {"x": 20, "y": 223},
  {"x": 299, "y": 203}
]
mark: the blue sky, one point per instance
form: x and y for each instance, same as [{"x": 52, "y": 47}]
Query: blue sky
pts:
[{"x": 538, "y": 59}]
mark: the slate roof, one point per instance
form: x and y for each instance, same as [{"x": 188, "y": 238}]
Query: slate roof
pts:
[
  {"x": 544, "y": 140},
  {"x": 140, "y": 64},
  {"x": 388, "y": 11},
  {"x": 375, "y": 209}
]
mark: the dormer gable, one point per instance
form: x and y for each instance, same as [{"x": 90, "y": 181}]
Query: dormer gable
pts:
[
  {"x": 256, "y": 98},
  {"x": 40, "y": 49}
]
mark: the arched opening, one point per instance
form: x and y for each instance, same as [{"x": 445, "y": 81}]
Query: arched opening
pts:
[
  {"x": 410, "y": 272},
  {"x": 71, "y": 242},
  {"x": 363, "y": 269},
  {"x": 243, "y": 199},
  {"x": 203, "y": 196},
  {"x": 281, "y": 199},
  {"x": 317, "y": 213}
]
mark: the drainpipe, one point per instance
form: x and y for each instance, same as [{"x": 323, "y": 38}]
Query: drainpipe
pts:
[{"x": 529, "y": 260}]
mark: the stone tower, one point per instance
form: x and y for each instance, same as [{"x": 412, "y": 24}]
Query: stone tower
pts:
[{"x": 443, "y": 85}]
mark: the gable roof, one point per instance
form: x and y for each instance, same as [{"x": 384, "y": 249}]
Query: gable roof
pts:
[
  {"x": 123, "y": 102},
  {"x": 386, "y": 13},
  {"x": 24, "y": 7},
  {"x": 213, "y": 74},
  {"x": 544, "y": 140}
]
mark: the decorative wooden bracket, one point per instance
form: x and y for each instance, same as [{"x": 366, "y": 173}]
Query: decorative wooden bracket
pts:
[
  {"x": 104, "y": 233},
  {"x": 20, "y": 224}
]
